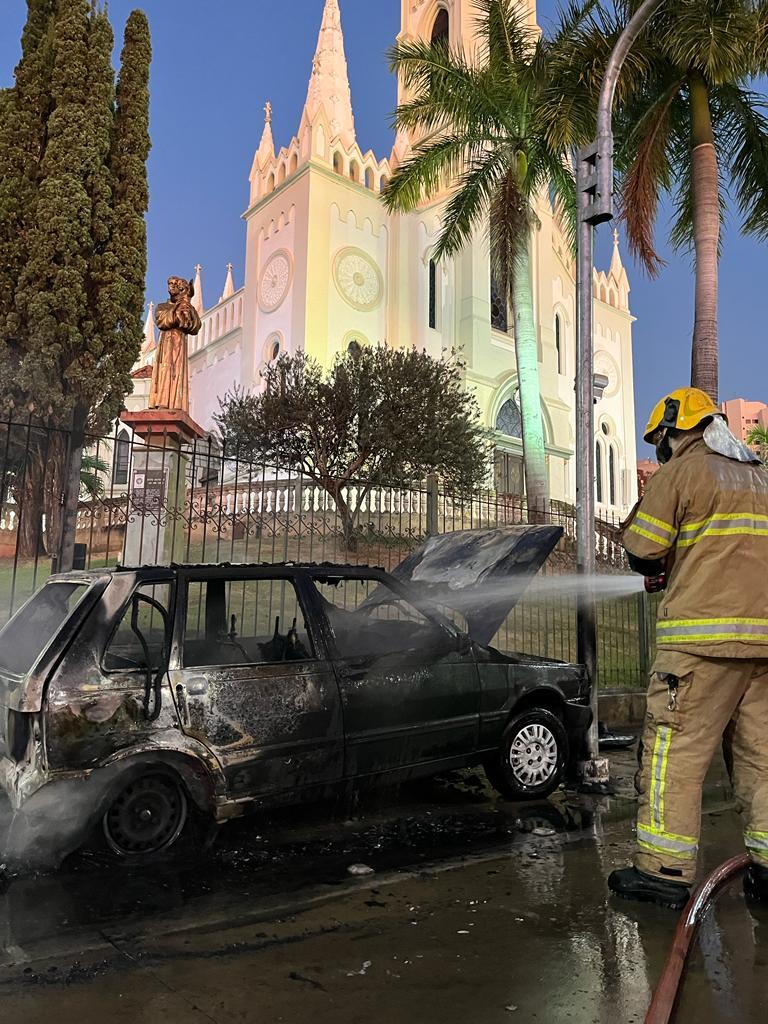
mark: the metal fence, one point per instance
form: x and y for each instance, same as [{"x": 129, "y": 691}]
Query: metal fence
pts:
[{"x": 149, "y": 500}]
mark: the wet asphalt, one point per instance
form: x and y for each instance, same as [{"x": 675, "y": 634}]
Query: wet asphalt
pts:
[{"x": 478, "y": 910}]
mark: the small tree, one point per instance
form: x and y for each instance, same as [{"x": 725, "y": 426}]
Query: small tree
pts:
[
  {"x": 378, "y": 416},
  {"x": 758, "y": 439}
]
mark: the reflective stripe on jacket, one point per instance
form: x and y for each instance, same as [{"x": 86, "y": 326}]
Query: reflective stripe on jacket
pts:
[{"x": 707, "y": 517}]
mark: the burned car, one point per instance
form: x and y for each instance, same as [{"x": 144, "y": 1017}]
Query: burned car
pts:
[{"x": 137, "y": 702}]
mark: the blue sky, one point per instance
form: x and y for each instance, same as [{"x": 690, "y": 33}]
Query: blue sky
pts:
[{"x": 214, "y": 66}]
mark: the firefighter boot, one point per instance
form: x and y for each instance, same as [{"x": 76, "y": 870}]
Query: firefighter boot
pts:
[
  {"x": 756, "y": 884},
  {"x": 633, "y": 884}
]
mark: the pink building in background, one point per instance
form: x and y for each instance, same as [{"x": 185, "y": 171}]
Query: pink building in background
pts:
[{"x": 743, "y": 416}]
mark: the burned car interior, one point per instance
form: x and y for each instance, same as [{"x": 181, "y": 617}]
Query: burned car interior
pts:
[{"x": 244, "y": 622}]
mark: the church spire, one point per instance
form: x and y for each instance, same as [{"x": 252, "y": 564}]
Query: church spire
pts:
[
  {"x": 266, "y": 151},
  {"x": 616, "y": 265},
  {"x": 150, "y": 338},
  {"x": 329, "y": 84},
  {"x": 229, "y": 285},
  {"x": 197, "y": 298}
]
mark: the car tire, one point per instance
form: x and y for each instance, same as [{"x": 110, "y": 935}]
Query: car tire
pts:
[
  {"x": 531, "y": 761},
  {"x": 146, "y": 816}
]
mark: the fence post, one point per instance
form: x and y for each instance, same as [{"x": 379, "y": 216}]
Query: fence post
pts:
[
  {"x": 642, "y": 632},
  {"x": 433, "y": 499},
  {"x": 70, "y": 497}
]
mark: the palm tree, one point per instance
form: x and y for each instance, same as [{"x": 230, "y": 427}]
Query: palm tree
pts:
[
  {"x": 92, "y": 473},
  {"x": 758, "y": 439},
  {"x": 482, "y": 141},
  {"x": 688, "y": 124}
]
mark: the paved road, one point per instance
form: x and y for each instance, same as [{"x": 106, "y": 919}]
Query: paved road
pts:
[{"x": 479, "y": 911}]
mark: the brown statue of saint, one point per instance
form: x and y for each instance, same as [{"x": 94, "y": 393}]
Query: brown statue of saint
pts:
[{"x": 176, "y": 319}]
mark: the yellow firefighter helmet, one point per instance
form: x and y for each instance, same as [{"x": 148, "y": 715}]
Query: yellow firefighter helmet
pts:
[{"x": 683, "y": 409}]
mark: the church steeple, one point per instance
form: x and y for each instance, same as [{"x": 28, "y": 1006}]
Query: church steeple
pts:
[
  {"x": 329, "y": 83},
  {"x": 229, "y": 285},
  {"x": 266, "y": 151},
  {"x": 197, "y": 299},
  {"x": 150, "y": 338},
  {"x": 617, "y": 267}
]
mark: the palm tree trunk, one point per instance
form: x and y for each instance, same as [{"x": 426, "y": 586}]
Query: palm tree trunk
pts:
[
  {"x": 526, "y": 352},
  {"x": 706, "y": 239}
]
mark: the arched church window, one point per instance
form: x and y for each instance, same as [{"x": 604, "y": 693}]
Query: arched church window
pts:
[
  {"x": 122, "y": 459},
  {"x": 338, "y": 163},
  {"x": 559, "y": 342},
  {"x": 383, "y": 183},
  {"x": 509, "y": 419},
  {"x": 271, "y": 183},
  {"x": 354, "y": 348},
  {"x": 294, "y": 163},
  {"x": 432, "y": 294},
  {"x": 273, "y": 348},
  {"x": 598, "y": 471},
  {"x": 612, "y": 473},
  {"x": 354, "y": 171},
  {"x": 441, "y": 30},
  {"x": 370, "y": 180}
]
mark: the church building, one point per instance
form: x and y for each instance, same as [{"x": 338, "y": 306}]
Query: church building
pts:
[{"x": 326, "y": 266}]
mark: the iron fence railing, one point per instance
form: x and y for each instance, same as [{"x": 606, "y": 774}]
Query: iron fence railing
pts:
[{"x": 149, "y": 500}]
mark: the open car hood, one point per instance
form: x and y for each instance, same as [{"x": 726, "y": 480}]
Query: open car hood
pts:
[{"x": 468, "y": 571}]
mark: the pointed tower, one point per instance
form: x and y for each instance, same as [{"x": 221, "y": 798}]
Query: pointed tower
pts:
[
  {"x": 266, "y": 152},
  {"x": 229, "y": 285},
  {"x": 150, "y": 338},
  {"x": 617, "y": 274},
  {"x": 329, "y": 83},
  {"x": 197, "y": 299}
]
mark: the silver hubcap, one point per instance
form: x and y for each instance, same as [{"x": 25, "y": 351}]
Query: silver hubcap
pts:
[{"x": 533, "y": 755}]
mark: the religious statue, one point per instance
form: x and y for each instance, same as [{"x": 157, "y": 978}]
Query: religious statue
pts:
[{"x": 176, "y": 319}]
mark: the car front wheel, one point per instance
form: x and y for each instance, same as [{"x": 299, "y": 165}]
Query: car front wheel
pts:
[{"x": 531, "y": 760}]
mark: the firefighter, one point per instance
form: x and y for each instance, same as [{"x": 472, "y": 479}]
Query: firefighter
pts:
[{"x": 701, "y": 530}]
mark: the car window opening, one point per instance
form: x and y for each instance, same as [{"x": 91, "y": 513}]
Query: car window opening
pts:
[
  {"x": 245, "y": 622},
  {"x": 28, "y": 634}
]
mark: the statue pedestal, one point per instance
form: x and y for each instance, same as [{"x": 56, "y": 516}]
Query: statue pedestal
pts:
[{"x": 155, "y": 532}]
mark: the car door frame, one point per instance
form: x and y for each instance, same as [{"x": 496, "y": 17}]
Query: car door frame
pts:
[{"x": 323, "y": 667}]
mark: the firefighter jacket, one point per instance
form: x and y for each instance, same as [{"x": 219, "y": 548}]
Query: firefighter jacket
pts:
[{"x": 706, "y": 517}]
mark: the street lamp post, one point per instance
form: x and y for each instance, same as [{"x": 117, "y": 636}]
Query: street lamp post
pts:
[{"x": 594, "y": 188}]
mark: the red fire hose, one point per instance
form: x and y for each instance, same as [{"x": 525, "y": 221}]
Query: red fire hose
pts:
[{"x": 664, "y": 998}]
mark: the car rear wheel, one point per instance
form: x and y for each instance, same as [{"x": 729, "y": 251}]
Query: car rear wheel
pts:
[
  {"x": 531, "y": 761},
  {"x": 146, "y": 817}
]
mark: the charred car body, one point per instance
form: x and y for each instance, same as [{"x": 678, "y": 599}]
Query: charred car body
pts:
[{"x": 137, "y": 701}]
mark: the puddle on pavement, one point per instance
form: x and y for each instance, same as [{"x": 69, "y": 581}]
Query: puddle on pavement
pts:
[{"x": 285, "y": 851}]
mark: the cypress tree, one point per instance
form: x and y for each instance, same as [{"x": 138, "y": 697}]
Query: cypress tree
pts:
[
  {"x": 75, "y": 240},
  {"x": 24, "y": 112},
  {"x": 73, "y": 195},
  {"x": 121, "y": 302}
]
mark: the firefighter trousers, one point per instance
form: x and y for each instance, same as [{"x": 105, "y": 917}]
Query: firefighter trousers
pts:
[{"x": 694, "y": 704}]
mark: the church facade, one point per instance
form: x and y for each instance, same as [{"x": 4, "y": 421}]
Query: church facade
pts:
[{"x": 326, "y": 266}]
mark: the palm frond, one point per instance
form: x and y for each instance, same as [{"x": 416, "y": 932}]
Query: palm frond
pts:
[
  {"x": 714, "y": 38},
  {"x": 470, "y": 205},
  {"x": 743, "y": 121},
  {"x": 649, "y": 174},
  {"x": 510, "y": 223},
  {"x": 433, "y": 167}
]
